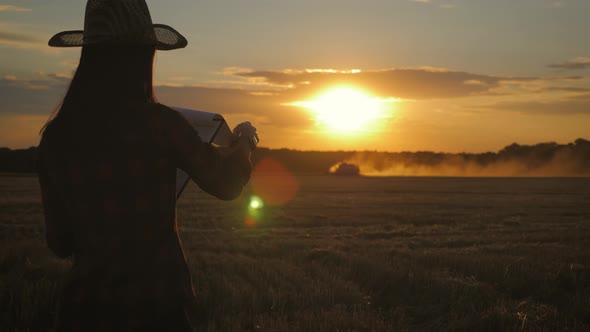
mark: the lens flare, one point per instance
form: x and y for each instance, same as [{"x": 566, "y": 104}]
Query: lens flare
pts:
[
  {"x": 255, "y": 211},
  {"x": 273, "y": 183},
  {"x": 250, "y": 222},
  {"x": 256, "y": 203}
]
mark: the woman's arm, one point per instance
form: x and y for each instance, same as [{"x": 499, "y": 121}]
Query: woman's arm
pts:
[{"x": 221, "y": 172}]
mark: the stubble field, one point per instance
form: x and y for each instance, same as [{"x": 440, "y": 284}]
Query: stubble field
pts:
[{"x": 352, "y": 254}]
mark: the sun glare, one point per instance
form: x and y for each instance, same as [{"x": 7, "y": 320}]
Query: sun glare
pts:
[{"x": 345, "y": 109}]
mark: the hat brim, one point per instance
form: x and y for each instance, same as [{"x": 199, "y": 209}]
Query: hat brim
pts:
[{"x": 166, "y": 39}]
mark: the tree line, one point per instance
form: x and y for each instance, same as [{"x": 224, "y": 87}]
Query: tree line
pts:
[{"x": 574, "y": 157}]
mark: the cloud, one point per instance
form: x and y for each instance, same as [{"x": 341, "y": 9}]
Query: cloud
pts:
[
  {"x": 581, "y": 97},
  {"x": 267, "y": 94},
  {"x": 11, "y": 81},
  {"x": 181, "y": 78},
  {"x": 565, "y": 89},
  {"x": 577, "y": 104},
  {"x": 447, "y": 5},
  {"x": 37, "y": 96},
  {"x": 264, "y": 96},
  {"x": 11, "y": 8},
  {"x": 266, "y": 107},
  {"x": 556, "y": 4},
  {"x": 577, "y": 63},
  {"x": 17, "y": 37},
  {"x": 58, "y": 77},
  {"x": 405, "y": 83},
  {"x": 25, "y": 37},
  {"x": 434, "y": 97},
  {"x": 20, "y": 40},
  {"x": 564, "y": 78}
]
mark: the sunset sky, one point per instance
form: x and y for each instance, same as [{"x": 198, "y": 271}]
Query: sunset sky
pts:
[{"x": 388, "y": 75}]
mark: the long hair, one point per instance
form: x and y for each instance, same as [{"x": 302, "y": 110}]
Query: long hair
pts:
[{"x": 107, "y": 76}]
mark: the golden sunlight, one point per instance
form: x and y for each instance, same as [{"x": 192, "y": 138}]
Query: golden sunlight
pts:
[{"x": 345, "y": 109}]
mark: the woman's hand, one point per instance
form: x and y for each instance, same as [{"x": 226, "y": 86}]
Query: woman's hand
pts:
[{"x": 247, "y": 130}]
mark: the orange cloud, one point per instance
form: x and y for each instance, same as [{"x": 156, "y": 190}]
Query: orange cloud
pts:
[
  {"x": 405, "y": 83},
  {"x": 263, "y": 95},
  {"x": 20, "y": 40},
  {"x": 11, "y": 8},
  {"x": 570, "y": 105},
  {"x": 577, "y": 63},
  {"x": 266, "y": 107}
]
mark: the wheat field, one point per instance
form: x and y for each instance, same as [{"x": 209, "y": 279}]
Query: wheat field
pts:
[{"x": 351, "y": 254}]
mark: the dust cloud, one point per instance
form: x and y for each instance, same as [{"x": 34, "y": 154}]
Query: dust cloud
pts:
[{"x": 541, "y": 160}]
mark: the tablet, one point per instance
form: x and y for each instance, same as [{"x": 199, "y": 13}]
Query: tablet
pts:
[{"x": 212, "y": 128}]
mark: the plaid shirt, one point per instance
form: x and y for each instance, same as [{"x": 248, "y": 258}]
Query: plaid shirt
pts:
[{"x": 108, "y": 191}]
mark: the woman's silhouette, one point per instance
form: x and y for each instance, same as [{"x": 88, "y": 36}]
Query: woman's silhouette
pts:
[{"x": 107, "y": 165}]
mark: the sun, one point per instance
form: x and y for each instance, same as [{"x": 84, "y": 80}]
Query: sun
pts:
[{"x": 345, "y": 109}]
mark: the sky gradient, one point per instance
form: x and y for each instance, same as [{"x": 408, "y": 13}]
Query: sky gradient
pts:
[{"x": 463, "y": 75}]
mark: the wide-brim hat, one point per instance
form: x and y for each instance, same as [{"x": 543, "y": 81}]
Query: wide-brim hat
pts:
[{"x": 120, "y": 22}]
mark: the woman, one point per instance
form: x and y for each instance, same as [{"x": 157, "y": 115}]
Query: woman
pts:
[{"x": 107, "y": 167}]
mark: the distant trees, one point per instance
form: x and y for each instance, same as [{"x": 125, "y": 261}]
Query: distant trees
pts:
[
  {"x": 302, "y": 161},
  {"x": 515, "y": 159},
  {"x": 18, "y": 161},
  {"x": 573, "y": 156}
]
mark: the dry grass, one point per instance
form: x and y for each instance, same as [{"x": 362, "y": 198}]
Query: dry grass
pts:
[{"x": 353, "y": 254}]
